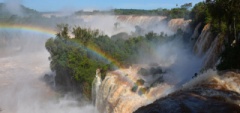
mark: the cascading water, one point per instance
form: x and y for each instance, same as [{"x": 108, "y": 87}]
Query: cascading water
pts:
[
  {"x": 209, "y": 47},
  {"x": 24, "y": 62},
  {"x": 208, "y": 91},
  {"x": 95, "y": 87},
  {"x": 212, "y": 55},
  {"x": 128, "y": 23},
  {"x": 203, "y": 41},
  {"x": 23, "y": 91},
  {"x": 120, "y": 93}
]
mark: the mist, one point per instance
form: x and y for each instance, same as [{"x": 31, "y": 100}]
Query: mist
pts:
[
  {"x": 183, "y": 64},
  {"x": 14, "y": 7},
  {"x": 176, "y": 59},
  {"x": 23, "y": 66},
  {"x": 24, "y": 59}
]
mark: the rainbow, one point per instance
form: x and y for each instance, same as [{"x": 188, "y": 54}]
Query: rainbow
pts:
[
  {"x": 104, "y": 55},
  {"x": 28, "y": 28},
  {"x": 52, "y": 33},
  {"x": 96, "y": 51}
]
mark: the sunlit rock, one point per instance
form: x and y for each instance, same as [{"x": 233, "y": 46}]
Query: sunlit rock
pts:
[
  {"x": 116, "y": 94},
  {"x": 208, "y": 93}
]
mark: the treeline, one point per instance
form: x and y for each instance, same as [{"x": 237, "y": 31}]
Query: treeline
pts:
[
  {"x": 178, "y": 12},
  {"x": 224, "y": 18},
  {"x": 182, "y": 12},
  {"x": 75, "y": 62}
]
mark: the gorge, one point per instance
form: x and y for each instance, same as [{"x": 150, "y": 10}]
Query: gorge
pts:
[
  {"x": 106, "y": 63},
  {"x": 208, "y": 90}
]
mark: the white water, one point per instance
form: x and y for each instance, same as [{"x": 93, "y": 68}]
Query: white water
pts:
[
  {"x": 22, "y": 89},
  {"x": 95, "y": 87}
]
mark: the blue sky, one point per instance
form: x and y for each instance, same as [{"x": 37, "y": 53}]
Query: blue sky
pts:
[{"x": 55, "y": 5}]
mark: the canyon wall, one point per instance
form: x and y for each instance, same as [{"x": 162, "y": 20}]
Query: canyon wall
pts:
[
  {"x": 209, "y": 93},
  {"x": 120, "y": 93},
  {"x": 133, "y": 24}
]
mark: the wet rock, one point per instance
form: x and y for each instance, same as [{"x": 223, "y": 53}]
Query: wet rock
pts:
[
  {"x": 192, "y": 101},
  {"x": 48, "y": 78},
  {"x": 156, "y": 70},
  {"x": 217, "y": 94}
]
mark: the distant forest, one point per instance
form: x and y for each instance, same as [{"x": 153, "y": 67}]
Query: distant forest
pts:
[{"x": 178, "y": 12}]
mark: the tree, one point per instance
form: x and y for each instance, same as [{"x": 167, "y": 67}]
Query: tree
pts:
[
  {"x": 82, "y": 34},
  {"x": 225, "y": 11},
  {"x": 75, "y": 64},
  {"x": 186, "y": 5},
  {"x": 63, "y": 30},
  {"x": 199, "y": 13}
]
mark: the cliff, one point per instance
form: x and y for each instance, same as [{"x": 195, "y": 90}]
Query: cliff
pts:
[
  {"x": 132, "y": 24},
  {"x": 208, "y": 46},
  {"x": 117, "y": 94},
  {"x": 180, "y": 23},
  {"x": 208, "y": 92},
  {"x": 204, "y": 41},
  {"x": 215, "y": 94}
]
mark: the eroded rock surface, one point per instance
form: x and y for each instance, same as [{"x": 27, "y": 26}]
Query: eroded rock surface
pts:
[{"x": 217, "y": 94}]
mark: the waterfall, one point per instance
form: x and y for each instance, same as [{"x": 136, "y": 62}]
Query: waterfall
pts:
[
  {"x": 95, "y": 87},
  {"x": 128, "y": 23},
  {"x": 179, "y": 23},
  {"x": 212, "y": 55},
  {"x": 196, "y": 32},
  {"x": 208, "y": 47},
  {"x": 204, "y": 41},
  {"x": 116, "y": 93}
]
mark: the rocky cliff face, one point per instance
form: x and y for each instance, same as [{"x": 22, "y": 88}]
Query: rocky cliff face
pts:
[
  {"x": 140, "y": 20},
  {"x": 207, "y": 93},
  {"x": 215, "y": 94},
  {"x": 180, "y": 23},
  {"x": 120, "y": 92}
]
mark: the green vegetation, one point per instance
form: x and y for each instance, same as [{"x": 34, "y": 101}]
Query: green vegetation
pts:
[
  {"x": 75, "y": 62},
  {"x": 199, "y": 14},
  {"x": 178, "y": 12},
  {"x": 224, "y": 18},
  {"x": 230, "y": 58}
]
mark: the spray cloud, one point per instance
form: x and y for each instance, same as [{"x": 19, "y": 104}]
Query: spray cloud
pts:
[
  {"x": 14, "y": 7},
  {"x": 21, "y": 87}
]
